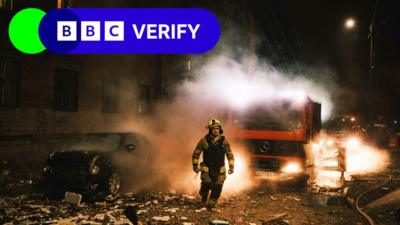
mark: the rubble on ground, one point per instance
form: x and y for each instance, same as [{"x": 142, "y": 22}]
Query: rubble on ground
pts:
[{"x": 169, "y": 208}]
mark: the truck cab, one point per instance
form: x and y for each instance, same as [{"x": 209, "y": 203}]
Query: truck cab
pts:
[{"x": 275, "y": 134}]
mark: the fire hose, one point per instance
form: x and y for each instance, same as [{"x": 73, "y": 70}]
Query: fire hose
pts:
[{"x": 359, "y": 209}]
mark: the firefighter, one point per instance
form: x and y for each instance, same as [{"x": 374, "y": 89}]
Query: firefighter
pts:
[{"x": 214, "y": 147}]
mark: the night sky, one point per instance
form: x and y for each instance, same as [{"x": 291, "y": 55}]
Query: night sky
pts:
[{"x": 324, "y": 41}]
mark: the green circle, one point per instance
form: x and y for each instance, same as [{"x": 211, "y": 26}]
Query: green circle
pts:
[{"x": 24, "y": 31}]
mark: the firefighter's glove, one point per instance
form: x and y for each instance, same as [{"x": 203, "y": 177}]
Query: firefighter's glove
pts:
[
  {"x": 195, "y": 168},
  {"x": 230, "y": 171}
]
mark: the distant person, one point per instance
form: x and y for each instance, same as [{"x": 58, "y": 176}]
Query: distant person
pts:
[
  {"x": 378, "y": 133},
  {"x": 214, "y": 147}
]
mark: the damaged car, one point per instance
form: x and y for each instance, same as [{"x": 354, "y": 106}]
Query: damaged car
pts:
[{"x": 90, "y": 167}]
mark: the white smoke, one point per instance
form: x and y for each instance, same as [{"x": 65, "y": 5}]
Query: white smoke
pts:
[{"x": 223, "y": 81}]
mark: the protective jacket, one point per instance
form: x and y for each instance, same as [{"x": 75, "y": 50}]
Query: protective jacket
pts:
[{"x": 213, "y": 154}]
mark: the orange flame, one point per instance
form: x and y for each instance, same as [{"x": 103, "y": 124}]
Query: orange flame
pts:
[
  {"x": 360, "y": 159},
  {"x": 242, "y": 178}
]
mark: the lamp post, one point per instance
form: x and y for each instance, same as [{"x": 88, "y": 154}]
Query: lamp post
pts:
[{"x": 350, "y": 23}]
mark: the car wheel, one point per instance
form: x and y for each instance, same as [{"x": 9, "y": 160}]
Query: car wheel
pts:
[{"x": 113, "y": 184}]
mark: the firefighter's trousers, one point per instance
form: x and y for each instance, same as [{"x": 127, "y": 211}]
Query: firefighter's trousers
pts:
[{"x": 213, "y": 181}]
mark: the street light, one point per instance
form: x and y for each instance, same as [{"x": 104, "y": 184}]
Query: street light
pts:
[{"x": 350, "y": 23}]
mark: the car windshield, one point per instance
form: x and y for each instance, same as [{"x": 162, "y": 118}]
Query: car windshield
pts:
[
  {"x": 98, "y": 142},
  {"x": 278, "y": 117}
]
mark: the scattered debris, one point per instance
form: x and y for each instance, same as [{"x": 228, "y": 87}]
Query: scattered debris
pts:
[
  {"x": 131, "y": 213},
  {"x": 219, "y": 222},
  {"x": 275, "y": 219},
  {"x": 327, "y": 199},
  {"x": 173, "y": 210},
  {"x": 161, "y": 218},
  {"x": 73, "y": 198},
  {"x": 100, "y": 216},
  {"x": 200, "y": 210},
  {"x": 337, "y": 200},
  {"x": 150, "y": 208},
  {"x": 294, "y": 198}
]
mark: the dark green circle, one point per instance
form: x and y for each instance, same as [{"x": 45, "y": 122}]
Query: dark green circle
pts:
[{"x": 24, "y": 31}]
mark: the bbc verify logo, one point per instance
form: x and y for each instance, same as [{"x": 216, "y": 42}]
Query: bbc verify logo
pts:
[
  {"x": 114, "y": 31},
  {"x": 122, "y": 31},
  {"x": 90, "y": 31}
]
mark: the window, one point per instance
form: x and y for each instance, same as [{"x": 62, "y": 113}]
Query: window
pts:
[
  {"x": 143, "y": 99},
  {"x": 9, "y": 82},
  {"x": 110, "y": 96},
  {"x": 64, "y": 3},
  {"x": 7, "y": 4},
  {"x": 66, "y": 89}
]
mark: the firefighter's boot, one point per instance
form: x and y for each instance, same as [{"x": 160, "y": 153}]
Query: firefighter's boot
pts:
[
  {"x": 215, "y": 194},
  {"x": 204, "y": 193},
  {"x": 211, "y": 203},
  {"x": 204, "y": 199}
]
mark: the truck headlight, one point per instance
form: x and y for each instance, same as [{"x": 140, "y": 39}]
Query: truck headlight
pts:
[
  {"x": 353, "y": 143},
  {"x": 292, "y": 167},
  {"x": 93, "y": 168}
]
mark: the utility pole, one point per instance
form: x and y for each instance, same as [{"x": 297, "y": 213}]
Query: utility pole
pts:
[
  {"x": 372, "y": 67},
  {"x": 371, "y": 37}
]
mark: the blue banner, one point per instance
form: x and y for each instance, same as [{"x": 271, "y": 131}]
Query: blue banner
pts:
[{"x": 129, "y": 31}]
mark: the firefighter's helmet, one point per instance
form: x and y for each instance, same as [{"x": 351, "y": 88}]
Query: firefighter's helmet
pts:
[{"x": 213, "y": 123}]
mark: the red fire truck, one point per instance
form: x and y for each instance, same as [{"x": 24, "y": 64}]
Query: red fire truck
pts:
[{"x": 275, "y": 134}]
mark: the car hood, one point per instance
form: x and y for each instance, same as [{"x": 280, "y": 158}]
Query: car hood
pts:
[{"x": 71, "y": 158}]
